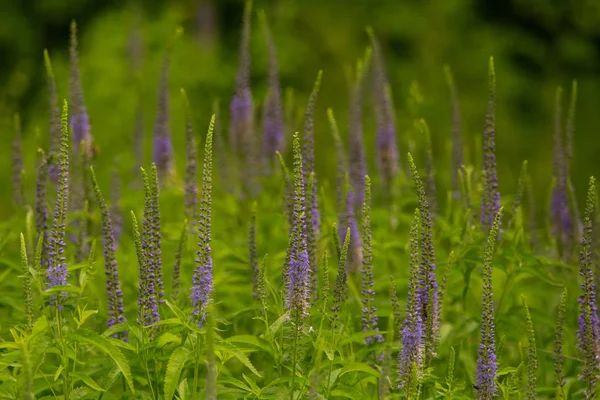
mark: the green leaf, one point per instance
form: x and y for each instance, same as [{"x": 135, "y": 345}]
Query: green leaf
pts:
[
  {"x": 59, "y": 289},
  {"x": 359, "y": 367},
  {"x": 85, "y": 378},
  {"x": 236, "y": 383},
  {"x": 249, "y": 339},
  {"x": 174, "y": 367},
  {"x": 276, "y": 326},
  {"x": 105, "y": 345},
  {"x": 167, "y": 338},
  {"x": 241, "y": 357}
]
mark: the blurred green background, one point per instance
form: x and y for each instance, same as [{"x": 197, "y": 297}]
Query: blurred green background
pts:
[{"x": 536, "y": 45}]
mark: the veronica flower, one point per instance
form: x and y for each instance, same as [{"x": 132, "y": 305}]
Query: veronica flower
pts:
[
  {"x": 490, "y": 203},
  {"x": 311, "y": 206},
  {"x": 369, "y": 312},
  {"x": 156, "y": 235},
  {"x": 588, "y": 336},
  {"x": 532, "y": 363},
  {"x": 54, "y": 120},
  {"x": 203, "y": 276},
  {"x": 558, "y": 345},
  {"x": 147, "y": 304},
  {"x": 80, "y": 124},
  {"x": 298, "y": 270},
  {"x": 288, "y": 192},
  {"x": 358, "y": 167},
  {"x": 487, "y": 363},
  {"x": 387, "y": 152},
  {"x": 176, "y": 283},
  {"x": 190, "y": 187},
  {"x": 428, "y": 287},
  {"x": 340, "y": 287},
  {"x": 411, "y": 357},
  {"x": 253, "y": 256},
  {"x": 241, "y": 126},
  {"x": 163, "y": 148},
  {"x": 273, "y": 133},
  {"x": 57, "y": 265},
  {"x": 115, "y": 208},
  {"x": 26, "y": 285},
  {"x": 17, "y": 164},
  {"x": 116, "y": 310},
  {"x": 41, "y": 207},
  {"x": 457, "y": 141},
  {"x": 355, "y": 253}
]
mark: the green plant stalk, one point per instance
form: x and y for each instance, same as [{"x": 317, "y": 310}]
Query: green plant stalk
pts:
[
  {"x": 196, "y": 368},
  {"x": 295, "y": 349}
]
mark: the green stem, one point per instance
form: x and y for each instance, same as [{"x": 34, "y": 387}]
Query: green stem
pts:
[
  {"x": 295, "y": 349},
  {"x": 196, "y": 367},
  {"x": 331, "y": 362},
  {"x": 148, "y": 376}
]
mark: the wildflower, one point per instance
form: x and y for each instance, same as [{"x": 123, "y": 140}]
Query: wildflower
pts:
[
  {"x": 54, "y": 120},
  {"x": 457, "y": 141},
  {"x": 558, "y": 345},
  {"x": 115, "y": 207},
  {"x": 41, "y": 207},
  {"x": 587, "y": 333},
  {"x": 80, "y": 124},
  {"x": 309, "y": 177},
  {"x": 116, "y": 310},
  {"x": 156, "y": 235},
  {"x": 177, "y": 266},
  {"x": 57, "y": 265},
  {"x": 26, "y": 285},
  {"x": 147, "y": 304},
  {"x": 487, "y": 363},
  {"x": 340, "y": 287},
  {"x": 163, "y": 149},
  {"x": 490, "y": 203},
  {"x": 369, "y": 318},
  {"x": 411, "y": 357},
  {"x": 428, "y": 288},
  {"x": 17, "y": 164},
  {"x": 203, "y": 276},
  {"x": 387, "y": 152},
  {"x": 273, "y": 134},
  {"x": 532, "y": 363},
  {"x": 190, "y": 188},
  {"x": 298, "y": 270}
]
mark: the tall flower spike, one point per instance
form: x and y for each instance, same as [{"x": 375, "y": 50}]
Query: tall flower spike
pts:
[
  {"x": 358, "y": 166},
  {"x": 559, "y": 374},
  {"x": 298, "y": 270},
  {"x": 396, "y": 309},
  {"x": 17, "y": 163},
  {"x": 80, "y": 124},
  {"x": 252, "y": 254},
  {"x": 387, "y": 151},
  {"x": 411, "y": 357},
  {"x": 561, "y": 218},
  {"x": 273, "y": 133},
  {"x": 57, "y": 265},
  {"x": 340, "y": 287},
  {"x": 116, "y": 213},
  {"x": 457, "y": 140},
  {"x": 191, "y": 187},
  {"x": 116, "y": 310},
  {"x": 41, "y": 207},
  {"x": 27, "y": 295},
  {"x": 369, "y": 312},
  {"x": 428, "y": 286},
  {"x": 163, "y": 148},
  {"x": 588, "y": 336},
  {"x": 176, "y": 283},
  {"x": 487, "y": 364},
  {"x": 147, "y": 304},
  {"x": 350, "y": 222},
  {"x": 54, "y": 120},
  {"x": 157, "y": 236},
  {"x": 429, "y": 167},
  {"x": 203, "y": 274},
  {"x": 241, "y": 127},
  {"x": 308, "y": 158},
  {"x": 490, "y": 199},
  {"x": 532, "y": 363},
  {"x": 288, "y": 191}
]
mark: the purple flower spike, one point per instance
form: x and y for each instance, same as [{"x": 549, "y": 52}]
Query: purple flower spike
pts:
[
  {"x": 369, "y": 312},
  {"x": 163, "y": 149},
  {"x": 588, "y": 334},
  {"x": 190, "y": 187},
  {"x": 202, "y": 279},
  {"x": 41, "y": 207},
  {"x": 116, "y": 311},
  {"x": 411, "y": 357},
  {"x": 54, "y": 121},
  {"x": 490, "y": 201},
  {"x": 57, "y": 265},
  {"x": 148, "y": 313},
  {"x": 273, "y": 137},
  {"x": 80, "y": 124},
  {"x": 387, "y": 152},
  {"x": 487, "y": 364}
]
